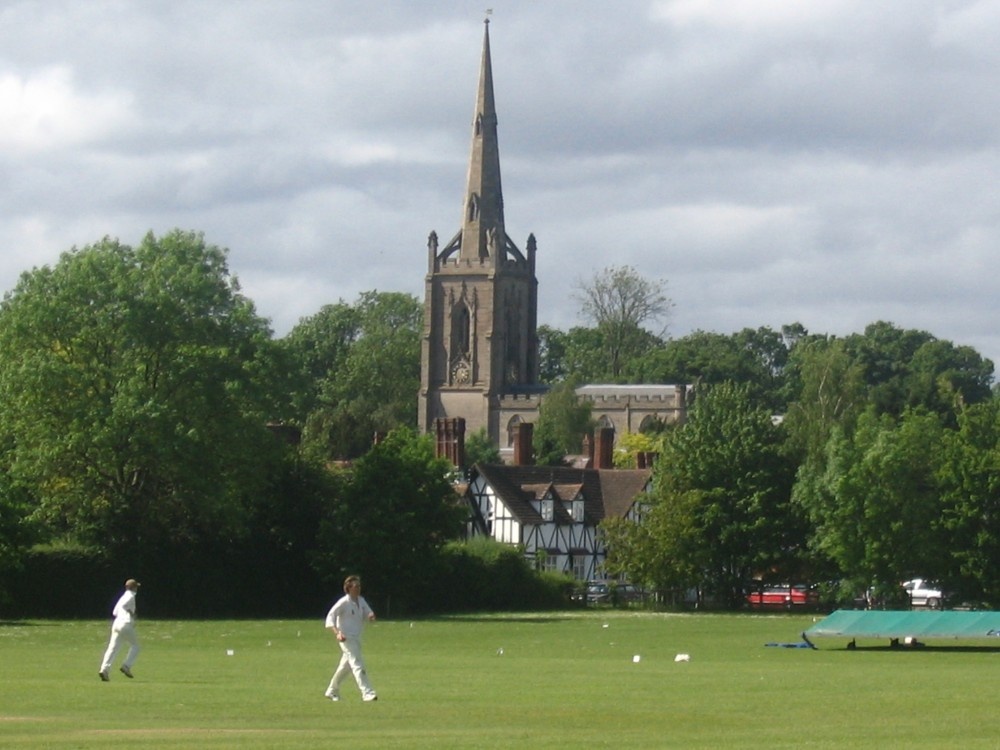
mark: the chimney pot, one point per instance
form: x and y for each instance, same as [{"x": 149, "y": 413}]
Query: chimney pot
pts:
[
  {"x": 523, "y": 447},
  {"x": 449, "y": 433},
  {"x": 604, "y": 448}
]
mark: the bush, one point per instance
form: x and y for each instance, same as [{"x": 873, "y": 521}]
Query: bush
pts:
[
  {"x": 64, "y": 580},
  {"x": 483, "y": 574}
]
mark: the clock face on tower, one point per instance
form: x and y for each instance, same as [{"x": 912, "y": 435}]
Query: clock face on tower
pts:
[{"x": 460, "y": 374}]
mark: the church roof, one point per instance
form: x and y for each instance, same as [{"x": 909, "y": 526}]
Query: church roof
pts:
[{"x": 621, "y": 391}]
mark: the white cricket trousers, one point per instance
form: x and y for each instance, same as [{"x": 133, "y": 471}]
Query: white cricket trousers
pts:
[
  {"x": 121, "y": 633},
  {"x": 351, "y": 661}
]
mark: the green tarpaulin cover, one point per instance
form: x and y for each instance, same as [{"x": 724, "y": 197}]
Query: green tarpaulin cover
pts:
[{"x": 918, "y": 624}]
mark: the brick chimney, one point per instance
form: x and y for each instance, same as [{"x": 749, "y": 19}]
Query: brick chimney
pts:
[
  {"x": 604, "y": 448},
  {"x": 449, "y": 440},
  {"x": 645, "y": 459},
  {"x": 523, "y": 448}
]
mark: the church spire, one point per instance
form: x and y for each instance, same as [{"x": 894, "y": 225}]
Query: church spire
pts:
[
  {"x": 480, "y": 342},
  {"x": 483, "y": 235}
]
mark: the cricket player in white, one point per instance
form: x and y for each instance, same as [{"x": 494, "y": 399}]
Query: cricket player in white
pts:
[
  {"x": 345, "y": 620},
  {"x": 122, "y": 629}
]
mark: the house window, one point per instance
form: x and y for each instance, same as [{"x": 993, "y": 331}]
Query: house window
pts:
[
  {"x": 547, "y": 509},
  {"x": 579, "y": 567},
  {"x": 578, "y": 511}
]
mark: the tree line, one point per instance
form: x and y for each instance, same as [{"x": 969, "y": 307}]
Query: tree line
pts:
[
  {"x": 149, "y": 425},
  {"x": 858, "y": 462},
  {"x": 145, "y": 408}
]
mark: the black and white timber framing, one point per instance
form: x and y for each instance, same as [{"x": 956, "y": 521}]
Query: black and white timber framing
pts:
[{"x": 553, "y": 513}]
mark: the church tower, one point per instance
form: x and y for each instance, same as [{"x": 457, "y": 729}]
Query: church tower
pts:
[{"x": 480, "y": 345}]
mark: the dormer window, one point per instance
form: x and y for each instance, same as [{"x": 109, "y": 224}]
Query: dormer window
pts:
[
  {"x": 578, "y": 510},
  {"x": 547, "y": 508}
]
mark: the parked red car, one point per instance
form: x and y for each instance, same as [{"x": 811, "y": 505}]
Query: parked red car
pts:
[{"x": 783, "y": 595}]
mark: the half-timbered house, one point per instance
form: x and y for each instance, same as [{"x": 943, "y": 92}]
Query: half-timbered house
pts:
[{"x": 553, "y": 512}]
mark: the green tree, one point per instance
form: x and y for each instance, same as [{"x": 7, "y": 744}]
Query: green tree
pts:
[
  {"x": 275, "y": 573},
  {"x": 629, "y": 445},
  {"x": 551, "y": 354},
  {"x": 360, "y": 367},
  {"x": 563, "y": 421},
  {"x": 318, "y": 346},
  {"x": 723, "y": 485},
  {"x": 875, "y": 508},
  {"x": 396, "y": 509},
  {"x": 479, "y": 449},
  {"x": 753, "y": 357},
  {"x": 665, "y": 551},
  {"x": 969, "y": 481},
  {"x": 944, "y": 377},
  {"x": 829, "y": 391},
  {"x": 911, "y": 369},
  {"x": 135, "y": 384},
  {"x": 15, "y": 532},
  {"x": 586, "y": 356},
  {"x": 622, "y": 304}
]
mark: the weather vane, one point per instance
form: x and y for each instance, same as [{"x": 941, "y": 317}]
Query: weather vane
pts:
[{"x": 489, "y": 12}]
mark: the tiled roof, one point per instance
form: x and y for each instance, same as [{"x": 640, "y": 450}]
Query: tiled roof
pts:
[
  {"x": 567, "y": 492},
  {"x": 518, "y": 501},
  {"x": 607, "y": 492},
  {"x": 620, "y": 487},
  {"x": 536, "y": 491}
]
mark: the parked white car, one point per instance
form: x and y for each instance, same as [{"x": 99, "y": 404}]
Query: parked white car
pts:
[{"x": 924, "y": 593}]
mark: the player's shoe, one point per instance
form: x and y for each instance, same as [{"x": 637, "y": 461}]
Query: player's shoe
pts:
[
  {"x": 370, "y": 697},
  {"x": 126, "y": 671},
  {"x": 103, "y": 674},
  {"x": 331, "y": 695}
]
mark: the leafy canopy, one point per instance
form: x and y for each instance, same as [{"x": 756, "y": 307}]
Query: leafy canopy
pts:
[
  {"x": 135, "y": 385},
  {"x": 358, "y": 372}
]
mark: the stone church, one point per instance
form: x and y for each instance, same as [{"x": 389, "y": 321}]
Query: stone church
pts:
[{"x": 479, "y": 352}]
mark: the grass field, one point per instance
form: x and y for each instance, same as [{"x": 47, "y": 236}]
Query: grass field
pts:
[{"x": 562, "y": 680}]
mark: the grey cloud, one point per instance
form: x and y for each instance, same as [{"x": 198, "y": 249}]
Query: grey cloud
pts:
[{"x": 831, "y": 163}]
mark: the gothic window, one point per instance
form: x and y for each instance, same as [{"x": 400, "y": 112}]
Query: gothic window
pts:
[
  {"x": 512, "y": 339},
  {"x": 461, "y": 336},
  {"x": 512, "y": 426},
  {"x": 513, "y": 346},
  {"x": 651, "y": 425},
  {"x": 461, "y": 330}
]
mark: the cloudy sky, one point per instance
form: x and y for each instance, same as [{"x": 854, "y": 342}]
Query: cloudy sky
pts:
[{"x": 827, "y": 162}]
